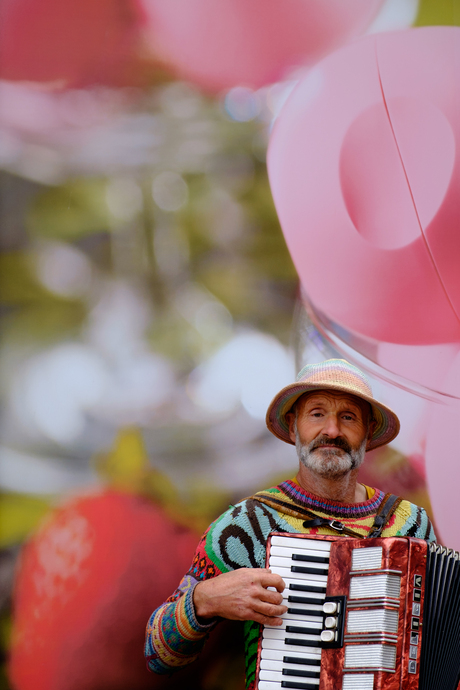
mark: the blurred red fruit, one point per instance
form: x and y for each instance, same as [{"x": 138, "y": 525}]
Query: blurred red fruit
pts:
[{"x": 86, "y": 585}]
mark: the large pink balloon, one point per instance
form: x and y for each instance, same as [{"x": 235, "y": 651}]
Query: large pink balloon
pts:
[
  {"x": 364, "y": 166},
  {"x": 443, "y": 460},
  {"x": 221, "y": 43},
  {"x": 425, "y": 365}
]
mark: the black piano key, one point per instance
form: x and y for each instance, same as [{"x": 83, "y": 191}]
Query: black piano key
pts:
[
  {"x": 307, "y": 588},
  {"x": 301, "y": 686},
  {"x": 301, "y": 660},
  {"x": 305, "y": 612},
  {"x": 308, "y": 571},
  {"x": 301, "y": 643},
  {"x": 303, "y": 631},
  {"x": 300, "y": 672},
  {"x": 304, "y": 600},
  {"x": 311, "y": 559}
]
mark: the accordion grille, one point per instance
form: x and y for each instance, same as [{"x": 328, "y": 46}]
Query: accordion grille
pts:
[
  {"x": 371, "y": 656},
  {"x": 380, "y": 620},
  {"x": 358, "y": 681},
  {"x": 375, "y": 586}
]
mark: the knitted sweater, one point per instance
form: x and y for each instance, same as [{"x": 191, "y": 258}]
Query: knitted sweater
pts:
[{"x": 237, "y": 539}]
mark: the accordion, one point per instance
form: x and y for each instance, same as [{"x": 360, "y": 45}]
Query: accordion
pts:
[{"x": 362, "y": 615}]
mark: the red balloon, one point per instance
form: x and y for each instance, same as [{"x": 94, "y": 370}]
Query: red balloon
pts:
[
  {"x": 86, "y": 585},
  {"x": 222, "y": 43},
  {"x": 73, "y": 43},
  {"x": 364, "y": 167}
]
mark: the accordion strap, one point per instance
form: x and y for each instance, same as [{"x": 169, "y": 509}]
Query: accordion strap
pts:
[
  {"x": 387, "y": 508},
  {"x": 302, "y": 513}
]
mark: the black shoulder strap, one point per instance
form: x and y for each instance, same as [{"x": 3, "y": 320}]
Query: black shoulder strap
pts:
[{"x": 388, "y": 506}]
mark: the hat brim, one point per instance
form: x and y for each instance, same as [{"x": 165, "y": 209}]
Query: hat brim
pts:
[{"x": 386, "y": 429}]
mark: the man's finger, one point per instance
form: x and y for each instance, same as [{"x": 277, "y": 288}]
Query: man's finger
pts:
[
  {"x": 271, "y": 596},
  {"x": 269, "y": 610},
  {"x": 269, "y": 579}
]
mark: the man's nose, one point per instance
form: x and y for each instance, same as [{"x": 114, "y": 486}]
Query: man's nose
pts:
[{"x": 331, "y": 427}]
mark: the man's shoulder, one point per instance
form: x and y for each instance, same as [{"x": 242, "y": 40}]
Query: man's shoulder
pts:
[
  {"x": 238, "y": 537},
  {"x": 411, "y": 520}
]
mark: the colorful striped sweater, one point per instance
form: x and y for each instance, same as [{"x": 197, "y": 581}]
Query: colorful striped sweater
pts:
[{"x": 237, "y": 539}]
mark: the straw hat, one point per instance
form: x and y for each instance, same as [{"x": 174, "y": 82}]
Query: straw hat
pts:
[{"x": 336, "y": 375}]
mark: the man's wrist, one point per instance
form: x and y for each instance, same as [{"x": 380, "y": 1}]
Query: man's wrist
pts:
[{"x": 202, "y": 612}]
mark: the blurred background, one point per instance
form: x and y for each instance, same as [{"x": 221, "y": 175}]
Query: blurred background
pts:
[{"x": 149, "y": 312}]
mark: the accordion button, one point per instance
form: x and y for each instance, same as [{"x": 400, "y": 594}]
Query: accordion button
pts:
[
  {"x": 330, "y": 607},
  {"x": 330, "y": 622},
  {"x": 327, "y": 636}
]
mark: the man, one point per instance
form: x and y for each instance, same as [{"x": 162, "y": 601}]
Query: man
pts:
[{"x": 332, "y": 418}]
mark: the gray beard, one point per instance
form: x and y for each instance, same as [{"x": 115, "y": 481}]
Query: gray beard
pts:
[{"x": 329, "y": 463}]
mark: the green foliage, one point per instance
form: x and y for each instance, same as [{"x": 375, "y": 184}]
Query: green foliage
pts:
[
  {"x": 19, "y": 514},
  {"x": 71, "y": 211},
  {"x": 438, "y": 13}
]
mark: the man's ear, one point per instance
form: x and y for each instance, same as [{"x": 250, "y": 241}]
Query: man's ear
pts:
[
  {"x": 290, "y": 419},
  {"x": 372, "y": 426}
]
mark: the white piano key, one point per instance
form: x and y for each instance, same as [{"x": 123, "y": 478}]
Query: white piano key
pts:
[
  {"x": 318, "y": 580},
  {"x": 284, "y": 552},
  {"x": 295, "y": 618},
  {"x": 279, "y": 654},
  {"x": 278, "y": 665},
  {"x": 313, "y": 623},
  {"x": 289, "y": 594},
  {"x": 296, "y": 592},
  {"x": 282, "y": 562},
  {"x": 276, "y": 684},
  {"x": 289, "y": 649},
  {"x": 303, "y": 543},
  {"x": 272, "y": 634},
  {"x": 268, "y": 685},
  {"x": 278, "y": 676}
]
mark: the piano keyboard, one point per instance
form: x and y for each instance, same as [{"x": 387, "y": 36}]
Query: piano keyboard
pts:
[{"x": 291, "y": 654}]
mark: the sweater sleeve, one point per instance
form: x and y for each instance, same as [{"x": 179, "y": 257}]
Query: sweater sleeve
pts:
[
  {"x": 237, "y": 539},
  {"x": 413, "y": 521},
  {"x": 174, "y": 636}
]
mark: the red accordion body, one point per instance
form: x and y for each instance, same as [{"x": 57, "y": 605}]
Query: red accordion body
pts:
[{"x": 363, "y": 615}]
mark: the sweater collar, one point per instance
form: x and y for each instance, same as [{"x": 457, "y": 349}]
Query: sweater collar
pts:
[{"x": 335, "y": 509}]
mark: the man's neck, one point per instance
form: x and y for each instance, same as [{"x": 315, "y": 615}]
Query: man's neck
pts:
[{"x": 343, "y": 490}]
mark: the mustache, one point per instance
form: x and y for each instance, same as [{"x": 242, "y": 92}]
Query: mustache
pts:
[{"x": 338, "y": 442}]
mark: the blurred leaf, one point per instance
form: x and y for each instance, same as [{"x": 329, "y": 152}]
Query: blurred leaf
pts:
[
  {"x": 438, "y": 12},
  {"x": 71, "y": 211},
  {"x": 18, "y": 285},
  {"x": 268, "y": 248},
  {"x": 127, "y": 467},
  {"x": 35, "y": 313},
  {"x": 126, "y": 461},
  {"x": 205, "y": 502},
  {"x": 19, "y": 514}
]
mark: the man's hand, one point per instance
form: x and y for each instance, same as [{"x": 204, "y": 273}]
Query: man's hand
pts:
[{"x": 241, "y": 595}]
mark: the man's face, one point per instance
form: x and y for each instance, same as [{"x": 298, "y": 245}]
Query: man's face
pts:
[{"x": 331, "y": 431}]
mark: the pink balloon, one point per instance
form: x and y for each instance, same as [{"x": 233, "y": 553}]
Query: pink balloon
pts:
[
  {"x": 426, "y": 365},
  {"x": 364, "y": 166},
  {"x": 442, "y": 461},
  {"x": 222, "y": 43}
]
